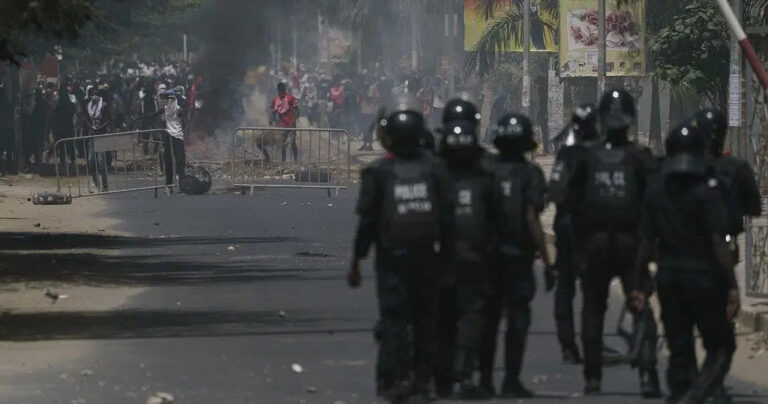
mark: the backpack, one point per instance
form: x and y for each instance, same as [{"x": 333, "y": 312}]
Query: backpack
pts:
[
  {"x": 410, "y": 205},
  {"x": 612, "y": 199},
  {"x": 470, "y": 199},
  {"x": 510, "y": 187}
]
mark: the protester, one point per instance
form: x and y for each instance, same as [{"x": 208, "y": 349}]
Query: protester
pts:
[{"x": 285, "y": 112}]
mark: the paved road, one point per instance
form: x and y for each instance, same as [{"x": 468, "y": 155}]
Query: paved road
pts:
[{"x": 238, "y": 289}]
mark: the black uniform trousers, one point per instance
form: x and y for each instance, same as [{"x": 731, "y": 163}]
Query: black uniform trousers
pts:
[
  {"x": 460, "y": 321},
  {"x": 512, "y": 291},
  {"x": 689, "y": 298},
  {"x": 406, "y": 287},
  {"x": 606, "y": 256},
  {"x": 566, "y": 280},
  {"x": 174, "y": 158}
]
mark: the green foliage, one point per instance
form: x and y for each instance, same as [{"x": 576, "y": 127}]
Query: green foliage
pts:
[
  {"x": 502, "y": 33},
  {"x": 23, "y": 22},
  {"x": 692, "y": 52}
]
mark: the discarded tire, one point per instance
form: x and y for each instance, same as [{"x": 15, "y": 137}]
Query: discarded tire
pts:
[{"x": 197, "y": 181}]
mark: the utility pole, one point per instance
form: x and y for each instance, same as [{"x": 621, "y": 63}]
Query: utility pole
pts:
[
  {"x": 526, "y": 101},
  {"x": 601, "y": 48},
  {"x": 734, "y": 88}
]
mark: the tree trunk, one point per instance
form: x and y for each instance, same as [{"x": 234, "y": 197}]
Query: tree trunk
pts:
[
  {"x": 654, "y": 137},
  {"x": 485, "y": 109}
]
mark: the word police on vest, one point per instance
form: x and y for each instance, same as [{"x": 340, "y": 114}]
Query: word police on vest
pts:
[{"x": 412, "y": 198}]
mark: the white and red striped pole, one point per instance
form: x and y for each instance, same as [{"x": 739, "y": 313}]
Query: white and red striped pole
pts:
[{"x": 741, "y": 38}]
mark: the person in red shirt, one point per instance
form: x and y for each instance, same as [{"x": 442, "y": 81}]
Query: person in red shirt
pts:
[{"x": 285, "y": 111}]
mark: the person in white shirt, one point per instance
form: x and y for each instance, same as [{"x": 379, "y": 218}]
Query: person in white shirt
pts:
[{"x": 174, "y": 155}]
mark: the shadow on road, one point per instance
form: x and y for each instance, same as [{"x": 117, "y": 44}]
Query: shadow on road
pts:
[
  {"x": 44, "y": 241},
  {"x": 128, "y": 324},
  {"x": 100, "y": 260}
]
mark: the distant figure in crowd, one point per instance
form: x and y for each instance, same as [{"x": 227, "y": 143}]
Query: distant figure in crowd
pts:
[{"x": 64, "y": 124}]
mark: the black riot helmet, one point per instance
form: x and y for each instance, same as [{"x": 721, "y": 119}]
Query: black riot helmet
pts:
[
  {"x": 461, "y": 108},
  {"x": 585, "y": 117},
  {"x": 513, "y": 134},
  {"x": 459, "y": 143},
  {"x": 582, "y": 127},
  {"x": 686, "y": 145},
  {"x": 714, "y": 127},
  {"x": 617, "y": 113},
  {"x": 402, "y": 125}
]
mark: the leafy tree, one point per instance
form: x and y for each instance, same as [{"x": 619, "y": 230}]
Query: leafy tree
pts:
[
  {"x": 692, "y": 52},
  {"x": 23, "y": 22}
]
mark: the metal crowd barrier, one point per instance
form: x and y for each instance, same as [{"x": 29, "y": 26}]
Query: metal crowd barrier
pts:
[
  {"x": 756, "y": 258},
  {"x": 110, "y": 163},
  {"x": 264, "y": 158}
]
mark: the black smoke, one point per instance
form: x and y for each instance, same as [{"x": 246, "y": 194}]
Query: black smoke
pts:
[{"x": 236, "y": 35}]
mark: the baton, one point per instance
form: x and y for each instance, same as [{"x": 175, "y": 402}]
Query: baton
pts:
[{"x": 743, "y": 41}]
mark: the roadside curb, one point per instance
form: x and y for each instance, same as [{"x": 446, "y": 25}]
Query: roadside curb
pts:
[{"x": 756, "y": 320}]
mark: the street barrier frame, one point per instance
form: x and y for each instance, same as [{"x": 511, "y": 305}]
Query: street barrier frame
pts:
[
  {"x": 322, "y": 152},
  {"x": 116, "y": 142}
]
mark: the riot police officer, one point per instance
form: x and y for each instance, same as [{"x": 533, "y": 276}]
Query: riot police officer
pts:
[
  {"x": 575, "y": 138},
  {"x": 685, "y": 218},
  {"x": 608, "y": 183},
  {"x": 475, "y": 214},
  {"x": 519, "y": 186},
  {"x": 737, "y": 179},
  {"x": 405, "y": 209},
  {"x": 738, "y": 188}
]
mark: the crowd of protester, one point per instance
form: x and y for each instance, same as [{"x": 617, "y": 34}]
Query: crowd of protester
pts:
[
  {"x": 351, "y": 100},
  {"x": 120, "y": 97}
]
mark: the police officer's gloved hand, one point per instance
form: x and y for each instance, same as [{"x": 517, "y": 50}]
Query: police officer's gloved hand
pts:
[
  {"x": 550, "y": 277},
  {"x": 734, "y": 304},
  {"x": 353, "y": 277}
]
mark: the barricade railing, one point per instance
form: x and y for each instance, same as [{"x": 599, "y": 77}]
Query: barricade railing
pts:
[
  {"x": 756, "y": 258},
  {"x": 267, "y": 157},
  {"x": 110, "y": 163}
]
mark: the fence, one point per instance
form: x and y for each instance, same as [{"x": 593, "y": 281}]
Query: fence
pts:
[
  {"x": 756, "y": 282},
  {"x": 290, "y": 158},
  {"x": 110, "y": 163}
]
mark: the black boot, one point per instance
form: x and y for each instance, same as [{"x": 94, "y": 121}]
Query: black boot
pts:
[
  {"x": 469, "y": 391},
  {"x": 649, "y": 384},
  {"x": 571, "y": 355},
  {"x": 592, "y": 387},
  {"x": 515, "y": 389}
]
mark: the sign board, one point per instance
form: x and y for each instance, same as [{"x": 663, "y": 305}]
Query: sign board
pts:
[
  {"x": 115, "y": 143},
  {"x": 625, "y": 38}
]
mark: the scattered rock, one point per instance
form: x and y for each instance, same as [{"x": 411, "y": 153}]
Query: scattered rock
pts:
[
  {"x": 86, "y": 372},
  {"x": 54, "y": 296},
  {"x": 311, "y": 389},
  {"x": 297, "y": 368},
  {"x": 231, "y": 248},
  {"x": 281, "y": 314},
  {"x": 160, "y": 398},
  {"x": 284, "y": 204},
  {"x": 37, "y": 224}
]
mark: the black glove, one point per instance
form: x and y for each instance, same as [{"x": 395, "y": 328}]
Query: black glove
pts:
[{"x": 550, "y": 277}]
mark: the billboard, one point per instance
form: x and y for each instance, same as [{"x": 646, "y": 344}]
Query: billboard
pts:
[
  {"x": 543, "y": 26},
  {"x": 625, "y": 38}
]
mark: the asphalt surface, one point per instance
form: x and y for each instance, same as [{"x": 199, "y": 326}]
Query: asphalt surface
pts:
[{"x": 239, "y": 290}]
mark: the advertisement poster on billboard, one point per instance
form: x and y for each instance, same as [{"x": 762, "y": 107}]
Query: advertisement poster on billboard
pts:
[
  {"x": 625, "y": 38},
  {"x": 543, "y": 26}
]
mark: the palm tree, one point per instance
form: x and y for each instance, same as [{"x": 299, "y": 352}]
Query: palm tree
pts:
[{"x": 506, "y": 31}]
